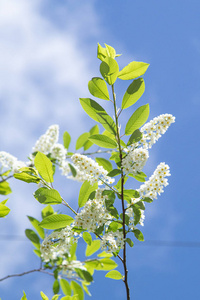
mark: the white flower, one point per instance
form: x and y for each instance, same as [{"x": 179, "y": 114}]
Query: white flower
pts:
[
  {"x": 135, "y": 160},
  {"x": 112, "y": 241},
  {"x": 59, "y": 152},
  {"x": 153, "y": 130},
  {"x": 57, "y": 244},
  {"x": 88, "y": 169},
  {"x": 11, "y": 162},
  {"x": 156, "y": 182},
  {"x": 94, "y": 214},
  {"x": 48, "y": 140}
]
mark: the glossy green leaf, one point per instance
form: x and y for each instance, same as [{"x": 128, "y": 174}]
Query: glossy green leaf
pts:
[
  {"x": 82, "y": 139},
  {"x": 97, "y": 113},
  {"x": 4, "y": 210},
  {"x": 85, "y": 275},
  {"x": 147, "y": 199},
  {"x": 106, "y": 164},
  {"x": 77, "y": 289},
  {"x": 133, "y": 93},
  {"x": 91, "y": 249},
  {"x": 98, "y": 88},
  {"x": 135, "y": 137},
  {"x": 47, "y": 211},
  {"x": 87, "y": 237},
  {"x": 44, "y": 297},
  {"x": 56, "y": 221},
  {"x": 133, "y": 70},
  {"x": 109, "y": 69},
  {"x": 110, "y": 51},
  {"x": 106, "y": 264},
  {"x": 73, "y": 170},
  {"x": 139, "y": 177},
  {"x": 93, "y": 130},
  {"x": 138, "y": 118},
  {"x": 114, "y": 173},
  {"x": 130, "y": 242},
  {"x": 5, "y": 188},
  {"x": 44, "y": 166},
  {"x": 114, "y": 226},
  {"x": 101, "y": 52},
  {"x": 114, "y": 275},
  {"x": 138, "y": 234},
  {"x": 103, "y": 141},
  {"x": 66, "y": 139},
  {"x": 56, "y": 286},
  {"x": 104, "y": 254},
  {"x": 37, "y": 227},
  {"x": 32, "y": 236},
  {"x": 65, "y": 286},
  {"x": 47, "y": 196},
  {"x": 27, "y": 177},
  {"x": 24, "y": 296},
  {"x": 85, "y": 191}
]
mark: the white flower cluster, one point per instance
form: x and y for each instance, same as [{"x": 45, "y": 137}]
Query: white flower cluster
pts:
[
  {"x": 57, "y": 244},
  {"x": 11, "y": 162},
  {"x": 112, "y": 241},
  {"x": 47, "y": 140},
  {"x": 88, "y": 169},
  {"x": 68, "y": 267},
  {"x": 153, "y": 130},
  {"x": 135, "y": 160},
  {"x": 156, "y": 182},
  {"x": 94, "y": 214}
]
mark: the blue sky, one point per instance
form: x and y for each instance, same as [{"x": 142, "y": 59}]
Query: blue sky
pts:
[{"x": 47, "y": 57}]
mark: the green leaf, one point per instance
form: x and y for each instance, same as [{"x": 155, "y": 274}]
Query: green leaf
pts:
[
  {"x": 24, "y": 296},
  {"x": 37, "y": 252},
  {"x": 109, "y": 70},
  {"x": 56, "y": 221},
  {"x": 27, "y": 177},
  {"x": 32, "y": 236},
  {"x": 47, "y": 196},
  {"x": 87, "y": 237},
  {"x": 77, "y": 289},
  {"x": 114, "y": 275},
  {"x": 44, "y": 297},
  {"x": 133, "y": 93},
  {"x": 37, "y": 227},
  {"x": 47, "y": 211},
  {"x": 55, "y": 297},
  {"x": 130, "y": 242},
  {"x": 91, "y": 249},
  {"x": 101, "y": 52},
  {"x": 82, "y": 140},
  {"x": 106, "y": 264},
  {"x": 138, "y": 234},
  {"x": 93, "y": 130},
  {"x": 98, "y": 88},
  {"x": 110, "y": 51},
  {"x": 73, "y": 170},
  {"x": 103, "y": 141},
  {"x": 139, "y": 177},
  {"x": 4, "y": 210},
  {"x": 65, "y": 286},
  {"x": 114, "y": 173},
  {"x": 66, "y": 139},
  {"x": 44, "y": 166},
  {"x": 133, "y": 70},
  {"x": 73, "y": 251},
  {"x": 97, "y": 113},
  {"x": 138, "y": 118},
  {"x": 114, "y": 226},
  {"x": 135, "y": 137},
  {"x": 85, "y": 275},
  {"x": 4, "y": 203},
  {"x": 84, "y": 285},
  {"x": 5, "y": 188},
  {"x": 85, "y": 191},
  {"x": 147, "y": 199},
  {"x": 104, "y": 163},
  {"x": 56, "y": 287}
]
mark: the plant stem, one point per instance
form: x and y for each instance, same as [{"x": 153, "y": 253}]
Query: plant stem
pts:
[{"x": 122, "y": 197}]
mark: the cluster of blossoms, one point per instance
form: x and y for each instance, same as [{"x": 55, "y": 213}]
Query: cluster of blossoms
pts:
[
  {"x": 135, "y": 160},
  {"x": 68, "y": 267},
  {"x": 48, "y": 140},
  {"x": 88, "y": 169},
  {"x": 156, "y": 182},
  {"x": 112, "y": 241},
  {"x": 94, "y": 214},
  {"x": 153, "y": 130},
  {"x": 57, "y": 244},
  {"x": 11, "y": 162}
]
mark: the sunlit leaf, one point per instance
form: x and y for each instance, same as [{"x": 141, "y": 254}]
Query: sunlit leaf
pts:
[
  {"x": 103, "y": 141},
  {"x": 109, "y": 69},
  {"x": 98, "y": 88},
  {"x": 65, "y": 286},
  {"x": 114, "y": 275},
  {"x": 66, "y": 139},
  {"x": 133, "y": 93},
  {"x": 5, "y": 188},
  {"x": 91, "y": 249},
  {"x": 47, "y": 196},
  {"x": 4, "y": 210},
  {"x": 138, "y": 118},
  {"x": 82, "y": 139},
  {"x": 133, "y": 70},
  {"x": 44, "y": 166},
  {"x": 85, "y": 191},
  {"x": 56, "y": 221}
]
